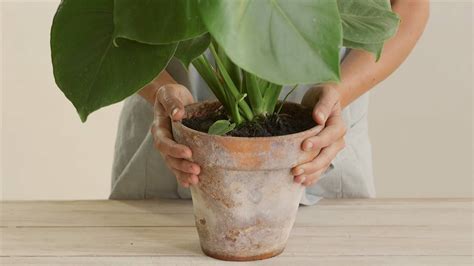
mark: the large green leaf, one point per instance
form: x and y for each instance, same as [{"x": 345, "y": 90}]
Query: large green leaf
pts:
[
  {"x": 374, "y": 48},
  {"x": 384, "y": 4},
  {"x": 157, "y": 21},
  {"x": 191, "y": 49},
  {"x": 367, "y": 21},
  {"x": 88, "y": 68},
  {"x": 377, "y": 6},
  {"x": 283, "y": 41}
]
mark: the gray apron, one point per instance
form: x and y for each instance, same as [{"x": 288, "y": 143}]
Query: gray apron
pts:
[{"x": 139, "y": 171}]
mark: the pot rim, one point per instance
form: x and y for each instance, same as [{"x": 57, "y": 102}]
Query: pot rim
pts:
[{"x": 314, "y": 130}]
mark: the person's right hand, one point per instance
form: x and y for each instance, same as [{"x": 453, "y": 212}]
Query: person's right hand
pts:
[{"x": 169, "y": 104}]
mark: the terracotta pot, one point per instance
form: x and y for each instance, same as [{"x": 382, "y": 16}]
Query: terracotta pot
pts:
[{"x": 246, "y": 201}]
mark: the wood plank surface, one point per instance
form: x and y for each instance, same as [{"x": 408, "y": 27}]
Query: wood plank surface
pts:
[
  {"x": 334, "y": 232},
  {"x": 278, "y": 261},
  {"x": 179, "y": 213}
]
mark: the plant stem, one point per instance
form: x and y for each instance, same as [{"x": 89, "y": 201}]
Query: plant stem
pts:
[
  {"x": 255, "y": 96},
  {"x": 270, "y": 98},
  {"x": 232, "y": 89},
  {"x": 286, "y": 97},
  {"x": 208, "y": 73},
  {"x": 234, "y": 71}
]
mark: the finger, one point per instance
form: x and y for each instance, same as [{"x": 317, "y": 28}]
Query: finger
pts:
[
  {"x": 161, "y": 126},
  {"x": 163, "y": 139},
  {"x": 183, "y": 165},
  {"x": 300, "y": 179},
  {"x": 321, "y": 162},
  {"x": 185, "y": 179},
  {"x": 181, "y": 180},
  {"x": 299, "y": 169},
  {"x": 312, "y": 179},
  {"x": 325, "y": 106},
  {"x": 166, "y": 145},
  {"x": 173, "y": 149},
  {"x": 168, "y": 97},
  {"x": 334, "y": 130},
  {"x": 194, "y": 179},
  {"x": 306, "y": 180}
]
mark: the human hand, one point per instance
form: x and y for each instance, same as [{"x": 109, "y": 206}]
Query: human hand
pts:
[
  {"x": 330, "y": 141},
  {"x": 169, "y": 104}
]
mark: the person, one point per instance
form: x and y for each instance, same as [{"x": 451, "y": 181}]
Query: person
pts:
[{"x": 150, "y": 164}]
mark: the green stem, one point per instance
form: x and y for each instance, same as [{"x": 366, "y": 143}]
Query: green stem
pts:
[
  {"x": 207, "y": 72},
  {"x": 233, "y": 70},
  {"x": 255, "y": 96},
  {"x": 270, "y": 98},
  {"x": 247, "y": 112},
  {"x": 286, "y": 97}
]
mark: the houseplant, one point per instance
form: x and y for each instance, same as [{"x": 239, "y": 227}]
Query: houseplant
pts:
[{"x": 104, "y": 51}]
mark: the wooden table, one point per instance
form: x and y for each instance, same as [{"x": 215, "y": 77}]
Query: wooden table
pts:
[{"x": 334, "y": 232}]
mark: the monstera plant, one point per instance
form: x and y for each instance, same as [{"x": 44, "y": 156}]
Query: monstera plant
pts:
[
  {"x": 245, "y": 203},
  {"x": 104, "y": 50}
]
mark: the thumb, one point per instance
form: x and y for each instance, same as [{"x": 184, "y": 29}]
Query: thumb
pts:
[
  {"x": 173, "y": 106},
  {"x": 325, "y": 106}
]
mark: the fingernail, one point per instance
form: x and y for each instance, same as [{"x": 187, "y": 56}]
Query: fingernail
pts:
[
  {"x": 308, "y": 146},
  {"x": 299, "y": 171},
  {"x": 175, "y": 111}
]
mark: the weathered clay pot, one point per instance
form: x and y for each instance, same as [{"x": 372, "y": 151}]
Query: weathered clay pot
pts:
[{"x": 246, "y": 201}]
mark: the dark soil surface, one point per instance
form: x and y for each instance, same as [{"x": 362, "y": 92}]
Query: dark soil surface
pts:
[{"x": 273, "y": 125}]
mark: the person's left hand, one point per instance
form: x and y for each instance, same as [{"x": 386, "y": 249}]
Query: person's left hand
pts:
[{"x": 330, "y": 141}]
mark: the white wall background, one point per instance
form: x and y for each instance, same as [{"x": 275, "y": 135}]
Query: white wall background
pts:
[
  {"x": 421, "y": 117},
  {"x": 47, "y": 152}
]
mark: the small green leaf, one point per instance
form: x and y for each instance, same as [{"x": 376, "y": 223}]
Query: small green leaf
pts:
[
  {"x": 221, "y": 127},
  {"x": 191, "y": 49}
]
